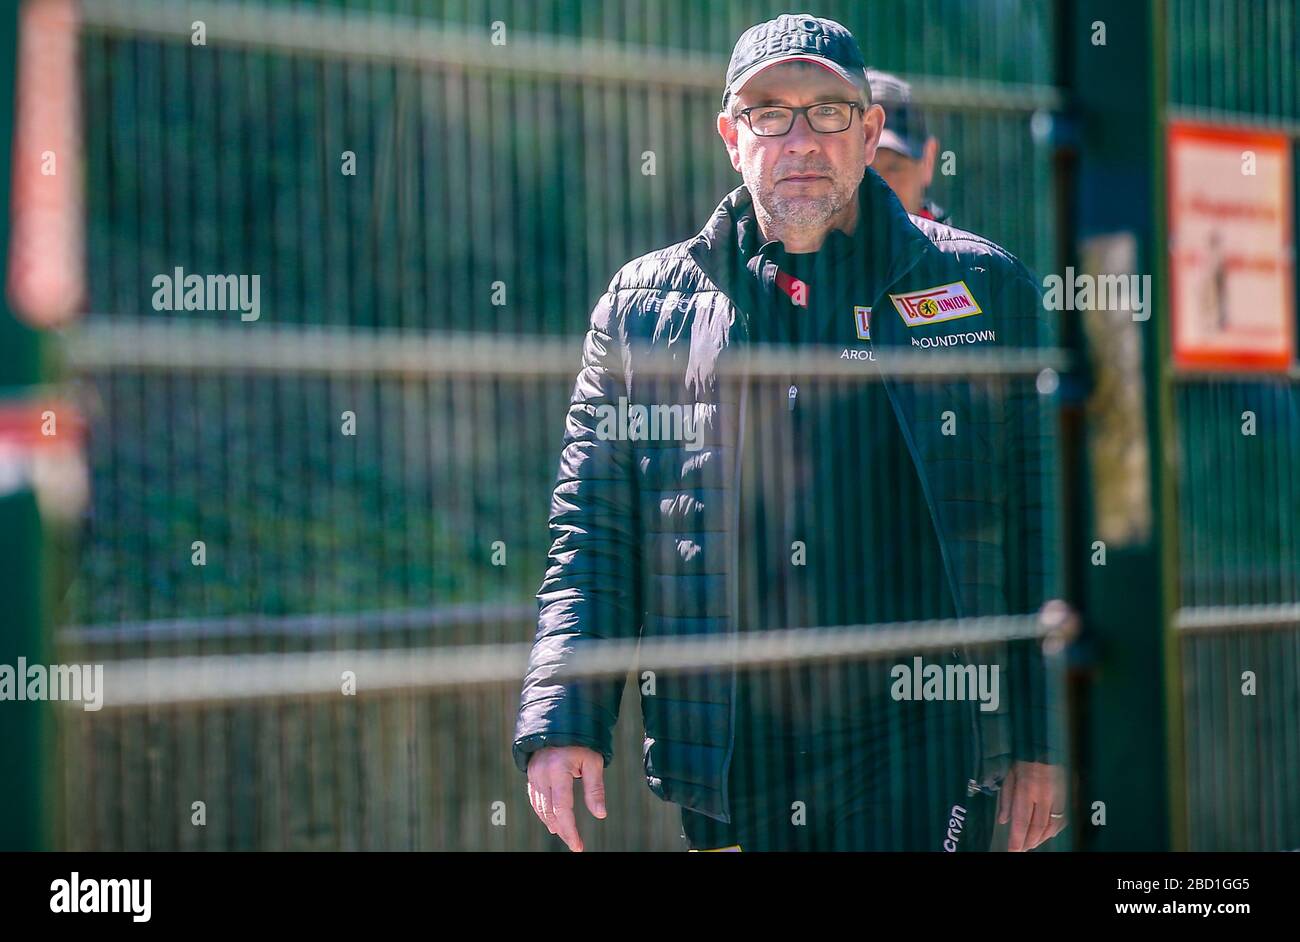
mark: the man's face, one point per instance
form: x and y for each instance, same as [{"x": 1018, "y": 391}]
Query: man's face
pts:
[
  {"x": 804, "y": 180},
  {"x": 907, "y": 177}
]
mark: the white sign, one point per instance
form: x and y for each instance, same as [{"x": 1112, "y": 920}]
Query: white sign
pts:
[{"x": 1230, "y": 241}]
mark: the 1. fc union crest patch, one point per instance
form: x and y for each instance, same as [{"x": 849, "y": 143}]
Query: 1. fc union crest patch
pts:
[
  {"x": 862, "y": 318},
  {"x": 935, "y": 305}
]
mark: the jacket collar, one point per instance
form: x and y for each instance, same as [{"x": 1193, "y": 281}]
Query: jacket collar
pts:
[
  {"x": 932, "y": 210},
  {"x": 730, "y": 251}
]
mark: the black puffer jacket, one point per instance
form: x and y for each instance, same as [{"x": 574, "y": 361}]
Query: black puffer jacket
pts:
[{"x": 644, "y": 530}]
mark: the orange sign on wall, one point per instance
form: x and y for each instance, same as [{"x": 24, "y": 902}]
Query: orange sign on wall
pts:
[{"x": 1232, "y": 263}]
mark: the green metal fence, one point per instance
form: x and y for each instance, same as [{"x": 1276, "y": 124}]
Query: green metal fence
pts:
[
  {"x": 1238, "y": 497},
  {"x": 483, "y": 172},
  {"x": 430, "y": 302}
]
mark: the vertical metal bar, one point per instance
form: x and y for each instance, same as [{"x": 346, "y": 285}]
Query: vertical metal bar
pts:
[
  {"x": 26, "y": 790},
  {"x": 1145, "y": 768}
]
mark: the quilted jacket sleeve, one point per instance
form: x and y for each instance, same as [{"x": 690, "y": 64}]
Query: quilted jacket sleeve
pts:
[{"x": 590, "y": 591}]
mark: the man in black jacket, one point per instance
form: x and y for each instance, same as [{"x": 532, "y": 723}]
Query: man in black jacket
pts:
[
  {"x": 750, "y": 514},
  {"x": 907, "y": 151}
]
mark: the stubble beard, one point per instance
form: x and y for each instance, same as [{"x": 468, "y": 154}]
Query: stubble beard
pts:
[{"x": 786, "y": 215}]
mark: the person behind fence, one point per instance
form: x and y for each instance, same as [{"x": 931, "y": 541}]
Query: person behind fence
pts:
[
  {"x": 905, "y": 156},
  {"x": 806, "y": 503}
]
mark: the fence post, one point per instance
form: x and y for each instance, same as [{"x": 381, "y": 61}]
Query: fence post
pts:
[
  {"x": 24, "y": 724},
  {"x": 1131, "y": 731}
]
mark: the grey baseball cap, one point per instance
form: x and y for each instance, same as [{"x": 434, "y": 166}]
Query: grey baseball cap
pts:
[
  {"x": 905, "y": 130},
  {"x": 796, "y": 37}
]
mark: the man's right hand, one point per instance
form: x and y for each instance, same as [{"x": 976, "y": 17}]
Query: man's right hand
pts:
[{"x": 551, "y": 771}]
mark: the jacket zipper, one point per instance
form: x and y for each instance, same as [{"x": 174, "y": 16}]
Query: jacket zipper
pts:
[
  {"x": 733, "y": 576},
  {"x": 733, "y": 590}
]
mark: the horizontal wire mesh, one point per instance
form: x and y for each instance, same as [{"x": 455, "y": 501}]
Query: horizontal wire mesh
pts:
[
  {"x": 408, "y": 550},
  {"x": 1233, "y": 64}
]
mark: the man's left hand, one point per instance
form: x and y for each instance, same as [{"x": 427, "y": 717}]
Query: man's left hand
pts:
[{"x": 1031, "y": 794}]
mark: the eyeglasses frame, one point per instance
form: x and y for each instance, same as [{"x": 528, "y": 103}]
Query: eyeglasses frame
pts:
[{"x": 795, "y": 112}]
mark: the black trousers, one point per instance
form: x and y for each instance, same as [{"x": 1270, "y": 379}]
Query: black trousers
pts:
[{"x": 899, "y": 787}]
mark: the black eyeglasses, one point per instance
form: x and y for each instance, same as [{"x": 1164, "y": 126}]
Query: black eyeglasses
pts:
[{"x": 825, "y": 117}]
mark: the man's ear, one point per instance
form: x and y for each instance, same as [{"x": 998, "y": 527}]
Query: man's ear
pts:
[
  {"x": 728, "y": 132},
  {"x": 927, "y": 160},
  {"x": 873, "y": 123}
]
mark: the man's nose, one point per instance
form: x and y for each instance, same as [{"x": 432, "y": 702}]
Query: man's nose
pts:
[{"x": 802, "y": 138}]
